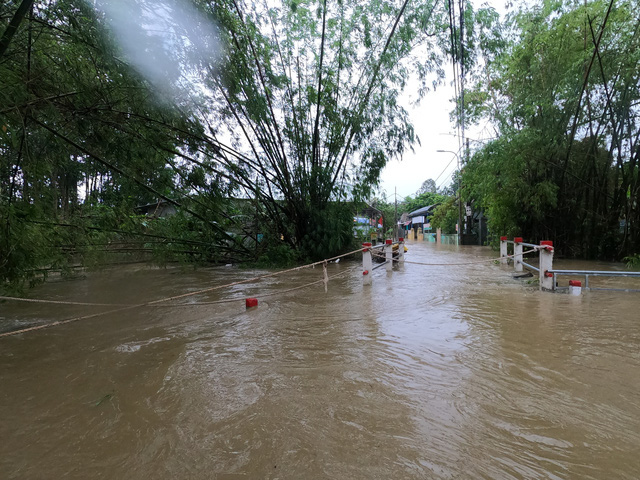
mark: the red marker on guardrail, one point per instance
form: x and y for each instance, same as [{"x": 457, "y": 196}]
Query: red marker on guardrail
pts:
[{"x": 575, "y": 287}]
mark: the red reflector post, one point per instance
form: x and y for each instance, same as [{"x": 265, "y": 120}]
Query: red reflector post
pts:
[
  {"x": 251, "y": 302},
  {"x": 575, "y": 287}
]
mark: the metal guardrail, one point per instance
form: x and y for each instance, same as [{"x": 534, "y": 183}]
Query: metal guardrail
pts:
[
  {"x": 520, "y": 260},
  {"x": 530, "y": 245},
  {"x": 379, "y": 265},
  {"x": 595, "y": 273},
  {"x": 548, "y": 276}
]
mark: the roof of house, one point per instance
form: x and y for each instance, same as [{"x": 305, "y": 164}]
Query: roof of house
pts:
[
  {"x": 153, "y": 204},
  {"x": 371, "y": 211},
  {"x": 422, "y": 211}
]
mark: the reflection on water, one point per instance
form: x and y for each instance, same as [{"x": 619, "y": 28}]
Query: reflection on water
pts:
[{"x": 433, "y": 372}]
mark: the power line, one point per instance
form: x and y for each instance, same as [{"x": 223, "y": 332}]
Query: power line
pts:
[{"x": 445, "y": 169}]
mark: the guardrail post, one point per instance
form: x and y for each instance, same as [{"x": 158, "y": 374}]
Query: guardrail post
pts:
[
  {"x": 503, "y": 250},
  {"x": 388, "y": 250},
  {"x": 517, "y": 254},
  {"x": 367, "y": 263},
  {"x": 575, "y": 287},
  {"x": 401, "y": 253},
  {"x": 546, "y": 264}
]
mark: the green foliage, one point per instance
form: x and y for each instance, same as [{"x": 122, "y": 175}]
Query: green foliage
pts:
[
  {"x": 101, "y": 236},
  {"x": 84, "y": 141},
  {"x": 560, "y": 83},
  {"x": 364, "y": 234},
  {"x": 317, "y": 115},
  {"x": 445, "y": 216},
  {"x": 508, "y": 183},
  {"x": 311, "y": 120},
  {"x": 428, "y": 186},
  {"x": 275, "y": 252},
  {"x": 422, "y": 200},
  {"x": 330, "y": 232},
  {"x": 633, "y": 261}
]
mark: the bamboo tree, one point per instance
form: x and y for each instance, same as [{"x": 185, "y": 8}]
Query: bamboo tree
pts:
[{"x": 566, "y": 84}]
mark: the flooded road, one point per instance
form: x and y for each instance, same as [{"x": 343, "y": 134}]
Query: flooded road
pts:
[{"x": 432, "y": 372}]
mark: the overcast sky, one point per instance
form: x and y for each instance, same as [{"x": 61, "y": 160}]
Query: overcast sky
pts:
[
  {"x": 436, "y": 132},
  {"x": 430, "y": 119}
]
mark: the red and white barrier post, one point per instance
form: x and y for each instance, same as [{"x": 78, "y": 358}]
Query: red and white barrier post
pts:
[
  {"x": 388, "y": 250},
  {"x": 575, "y": 287},
  {"x": 367, "y": 263},
  {"x": 401, "y": 252},
  {"x": 517, "y": 254},
  {"x": 503, "y": 250},
  {"x": 546, "y": 264}
]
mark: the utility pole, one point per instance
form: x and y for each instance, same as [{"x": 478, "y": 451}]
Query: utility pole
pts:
[
  {"x": 469, "y": 214},
  {"x": 459, "y": 195},
  {"x": 395, "y": 228}
]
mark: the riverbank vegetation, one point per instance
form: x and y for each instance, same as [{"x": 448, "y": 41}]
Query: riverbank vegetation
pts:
[
  {"x": 263, "y": 128},
  {"x": 260, "y": 130},
  {"x": 561, "y": 87}
]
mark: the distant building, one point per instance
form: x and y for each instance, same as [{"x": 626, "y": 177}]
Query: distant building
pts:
[
  {"x": 419, "y": 218},
  {"x": 159, "y": 209},
  {"x": 367, "y": 219}
]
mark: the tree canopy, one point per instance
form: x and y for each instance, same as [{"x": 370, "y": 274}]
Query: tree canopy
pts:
[
  {"x": 295, "y": 114},
  {"x": 313, "y": 92},
  {"x": 560, "y": 84}
]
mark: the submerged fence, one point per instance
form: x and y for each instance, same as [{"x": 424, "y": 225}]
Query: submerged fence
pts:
[
  {"x": 595, "y": 273},
  {"x": 382, "y": 252},
  {"x": 386, "y": 255},
  {"x": 545, "y": 259},
  {"x": 546, "y": 273}
]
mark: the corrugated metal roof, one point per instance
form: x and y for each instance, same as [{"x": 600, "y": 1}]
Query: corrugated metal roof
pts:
[{"x": 422, "y": 211}]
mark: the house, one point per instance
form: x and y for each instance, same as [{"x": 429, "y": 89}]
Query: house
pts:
[
  {"x": 419, "y": 219},
  {"x": 367, "y": 219},
  {"x": 159, "y": 209}
]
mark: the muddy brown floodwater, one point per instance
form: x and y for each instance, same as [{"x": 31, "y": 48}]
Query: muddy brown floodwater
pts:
[{"x": 432, "y": 372}]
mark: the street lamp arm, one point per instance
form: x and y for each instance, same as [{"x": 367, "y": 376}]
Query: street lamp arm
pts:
[{"x": 448, "y": 151}]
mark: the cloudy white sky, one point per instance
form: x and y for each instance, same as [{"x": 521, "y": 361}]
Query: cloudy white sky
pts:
[
  {"x": 436, "y": 132},
  {"x": 430, "y": 119}
]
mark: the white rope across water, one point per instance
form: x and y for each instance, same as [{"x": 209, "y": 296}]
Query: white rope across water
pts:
[
  {"x": 64, "y": 302},
  {"x": 324, "y": 280},
  {"x": 156, "y": 303},
  {"x": 162, "y": 302}
]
